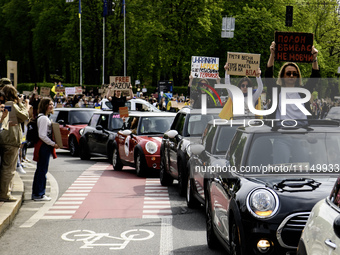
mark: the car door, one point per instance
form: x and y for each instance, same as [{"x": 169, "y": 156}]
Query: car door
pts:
[
  {"x": 91, "y": 133},
  {"x": 173, "y": 144},
  {"x": 126, "y": 142},
  {"x": 102, "y": 134},
  {"x": 63, "y": 121}
]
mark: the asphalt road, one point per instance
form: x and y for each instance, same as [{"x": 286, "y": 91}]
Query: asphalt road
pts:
[{"x": 95, "y": 210}]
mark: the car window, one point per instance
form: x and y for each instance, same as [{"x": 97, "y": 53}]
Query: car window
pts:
[
  {"x": 128, "y": 104},
  {"x": 236, "y": 148},
  {"x": 208, "y": 137},
  {"x": 334, "y": 113},
  {"x": 63, "y": 115},
  {"x": 94, "y": 120},
  {"x": 133, "y": 124},
  {"x": 103, "y": 121},
  {"x": 155, "y": 125},
  {"x": 335, "y": 194},
  {"x": 223, "y": 140},
  {"x": 197, "y": 124},
  {"x": 80, "y": 117},
  {"x": 317, "y": 152},
  {"x": 116, "y": 122},
  {"x": 53, "y": 116},
  {"x": 179, "y": 126}
]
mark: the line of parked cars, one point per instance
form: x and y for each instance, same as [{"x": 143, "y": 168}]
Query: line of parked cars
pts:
[{"x": 259, "y": 185}]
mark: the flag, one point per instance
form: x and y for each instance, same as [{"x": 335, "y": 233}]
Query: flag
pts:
[
  {"x": 105, "y": 8},
  {"x": 79, "y": 9},
  {"x": 123, "y": 7}
]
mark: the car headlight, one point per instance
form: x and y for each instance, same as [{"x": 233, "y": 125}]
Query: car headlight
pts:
[
  {"x": 151, "y": 147},
  {"x": 262, "y": 203},
  {"x": 81, "y": 131}
]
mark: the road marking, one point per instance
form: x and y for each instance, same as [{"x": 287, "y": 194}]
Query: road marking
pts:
[{"x": 166, "y": 243}]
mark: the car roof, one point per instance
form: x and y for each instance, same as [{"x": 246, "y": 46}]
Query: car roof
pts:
[
  {"x": 189, "y": 110},
  {"x": 151, "y": 114},
  {"x": 74, "y": 109},
  {"x": 223, "y": 122},
  {"x": 315, "y": 126}
]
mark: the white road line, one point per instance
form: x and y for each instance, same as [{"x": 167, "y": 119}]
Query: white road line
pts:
[
  {"x": 40, "y": 213},
  {"x": 68, "y": 203},
  {"x": 61, "y": 217},
  {"x": 75, "y": 195},
  {"x": 157, "y": 202},
  {"x": 166, "y": 242},
  {"x": 71, "y": 198},
  {"x": 156, "y": 206},
  {"x": 60, "y": 212},
  {"x": 156, "y": 198},
  {"x": 157, "y": 211},
  {"x": 154, "y": 190},
  {"x": 81, "y": 190},
  {"x": 64, "y": 207}
]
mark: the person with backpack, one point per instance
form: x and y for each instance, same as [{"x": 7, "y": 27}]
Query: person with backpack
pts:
[{"x": 43, "y": 149}]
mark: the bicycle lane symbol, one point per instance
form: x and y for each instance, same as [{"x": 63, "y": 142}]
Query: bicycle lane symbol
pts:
[{"x": 90, "y": 238}]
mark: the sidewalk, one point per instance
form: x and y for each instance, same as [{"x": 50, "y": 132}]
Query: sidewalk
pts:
[{"x": 8, "y": 210}]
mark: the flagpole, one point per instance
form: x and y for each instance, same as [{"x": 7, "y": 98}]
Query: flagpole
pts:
[
  {"x": 103, "y": 51},
  {"x": 81, "y": 61},
  {"x": 124, "y": 40}
]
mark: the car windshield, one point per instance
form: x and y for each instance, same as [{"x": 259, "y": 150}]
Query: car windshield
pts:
[
  {"x": 155, "y": 125},
  {"x": 80, "y": 117},
  {"x": 297, "y": 153},
  {"x": 334, "y": 113},
  {"x": 197, "y": 124}
]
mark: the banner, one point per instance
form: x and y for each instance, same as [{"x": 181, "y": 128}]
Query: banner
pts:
[
  {"x": 204, "y": 67},
  {"x": 243, "y": 64},
  {"x": 293, "y": 47}
]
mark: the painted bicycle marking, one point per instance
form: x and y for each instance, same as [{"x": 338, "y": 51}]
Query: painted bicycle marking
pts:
[{"x": 89, "y": 238}]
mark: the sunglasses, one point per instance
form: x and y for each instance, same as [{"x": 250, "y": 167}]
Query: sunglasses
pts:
[
  {"x": 295, "y": 74},
  {"x": 243, "y": 85}
]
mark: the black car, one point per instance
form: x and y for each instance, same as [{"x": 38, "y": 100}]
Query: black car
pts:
[
  {"x": 187, "y": 128},
  {"x": 210, "y": 151},
  {"x": 98, "y": 137},
  {"x": 260, "y": 201}
]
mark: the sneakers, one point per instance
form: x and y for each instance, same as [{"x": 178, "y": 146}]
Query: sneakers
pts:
[
  {"x": 20, "y": 170},
  {"x": 41, "y": 198},
  {"x": 10, "y": 199}
]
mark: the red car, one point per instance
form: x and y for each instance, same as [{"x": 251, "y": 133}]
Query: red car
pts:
[
  {"x": 139, "y": 144},
  {"x": 71, "y": 120}
]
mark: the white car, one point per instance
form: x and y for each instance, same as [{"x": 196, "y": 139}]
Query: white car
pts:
[
  {"x": 137, "y": 104},
  {"x": 321, "y": 234}
]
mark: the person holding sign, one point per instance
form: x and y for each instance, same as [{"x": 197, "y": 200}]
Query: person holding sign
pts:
[
  {"x": 202, "y": 87},
  {"x": 243, "y": 85},
  {"x": 119, "y": 101},
  {"x": 290, "y": 76},
  {"x": 43, "y": 150}
]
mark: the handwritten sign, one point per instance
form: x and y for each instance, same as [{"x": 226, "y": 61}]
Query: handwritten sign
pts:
[
  {"x": 123, "y": 112},
  {"x": 120, "y": 82},
  {"x": 243, "y": 64},
  {"x": 45, "y": 91},
  {"x": 70, "y": 91},
  {"x": 295, "y": 47},
  {"x": 59, "y": 89},
  {"x": 204, "y": 67}
]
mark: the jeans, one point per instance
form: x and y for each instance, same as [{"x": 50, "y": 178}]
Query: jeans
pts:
[{"x": 39, "y": 181}]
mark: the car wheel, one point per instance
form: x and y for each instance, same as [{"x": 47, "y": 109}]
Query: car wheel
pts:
[
  {"x": 192, "y": 202},
  {"x": 116, "y": 162},
  {"x": 165, "y": 178},
  {"x": 84, "y": 150},
  {"x": 211, "y": 236},
  {"x": 235, "y": 248},
  {"x": 140, "y": 165},
  {"x": 182, "y": 179},
  {"x": 73, "y": 146}
]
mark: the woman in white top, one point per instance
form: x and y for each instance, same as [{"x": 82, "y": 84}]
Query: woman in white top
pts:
[{"x": 43, "y": 150}]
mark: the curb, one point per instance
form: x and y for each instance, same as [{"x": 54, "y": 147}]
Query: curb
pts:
[{"x": 9, "y": 210}]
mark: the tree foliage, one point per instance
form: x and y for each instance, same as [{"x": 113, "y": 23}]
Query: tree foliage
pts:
[{"x": 161, "y": 36}]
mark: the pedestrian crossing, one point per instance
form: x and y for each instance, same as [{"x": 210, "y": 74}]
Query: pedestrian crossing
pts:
[{"x": 72, "y": 199}]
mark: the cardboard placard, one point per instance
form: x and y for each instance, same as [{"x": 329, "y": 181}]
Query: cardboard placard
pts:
[
  {"x": 45, "y": 91},
  {"x": 78, "y": 90},
  {"x": 12, "y": 113},
  {"x": 59, "y": 106},
  {"x": 57, "y": 134},
  {"x": 204, "y": 67},
  {"x": 243, "y": 64},
  {"x": 70, "y": 91},
  {"x": 120, "y": 82},
  {"x": 124, "y": 111},
  {"x": 59, "y": 89},
  {"x": 294, "y": 47}
]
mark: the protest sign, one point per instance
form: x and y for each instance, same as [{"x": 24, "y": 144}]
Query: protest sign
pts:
[
  {"x": 120, "y": 82},
  {"x": 295, "y": 47},
  {"x": 204, "y": 67},
  {"x": 243, "y": 64},
  {"x": 70, "y": 91},
  {"x": 45, "y": 91},
  {"x": 124, "y": 111}
]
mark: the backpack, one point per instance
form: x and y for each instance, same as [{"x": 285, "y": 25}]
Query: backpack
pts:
[{"x": 32, "y": 136}]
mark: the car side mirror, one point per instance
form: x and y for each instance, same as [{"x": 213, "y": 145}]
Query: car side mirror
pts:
[
  {"x": 172, "y": 133},
  {"x": 99, "y": 127},
  {"x": 61, "y": 122},
  {"x": 336, "y": 226},
  {"x": 196, "y": 149}
]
